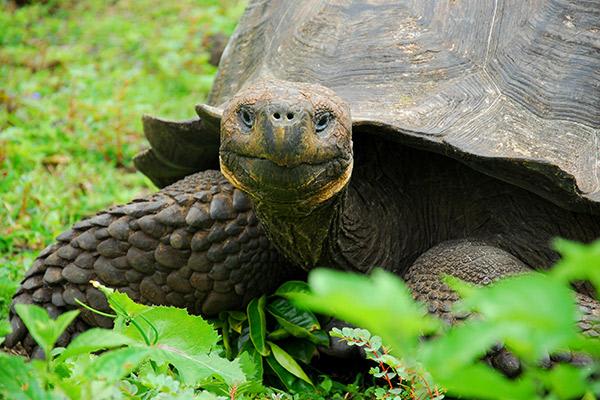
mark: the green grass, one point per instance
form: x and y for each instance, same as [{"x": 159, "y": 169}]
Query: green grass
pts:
[{"x": 75, "y": 79}]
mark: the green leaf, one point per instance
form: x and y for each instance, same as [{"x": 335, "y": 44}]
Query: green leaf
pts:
[
  {"x": 300, "y": 323},
  {"x": 258, "y": 324},
  {"x": 236, "y": 315},
  {"x": 115, "y": 364},
  {"x": 5, "y": 329},
  {"x": 579, "y": 262},
  {"x": 320, "y": 338},
  {"x": 187, "y": 342},
  {"x": 193, "y": 369},
  {"x": 93, "y": 340},
  {"x": 44, "y": 330},
  {"x": 464, "y": 289},
  {"x": 251, "y": 363},
  {"x": 124, "y": 307},
  {"x": 566, "y": 381},
  {"x": 278, "y": 334},
  {"x": 326, "y": 384},
  {"x": 292, "y": 287},
  {"x": 289, "y": 380},
  {"x": 459, "y": 347},
  {"x": 586, "y": 345},
  {"x": 481, "y": 382},
  {"x": 173, "y": 328},
  {"x": 288, "y": 362},
  {"x": 19, "y": 380},
  {"x": 533, "y": 314}
]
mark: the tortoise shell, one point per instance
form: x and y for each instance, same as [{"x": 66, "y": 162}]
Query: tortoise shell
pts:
[{"x": 511, "y": 88}]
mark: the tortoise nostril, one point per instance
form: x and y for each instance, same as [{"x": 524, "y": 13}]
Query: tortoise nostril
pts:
[
  {"x": 290, "y": 115},
  {"x": 276, "y": 115}
]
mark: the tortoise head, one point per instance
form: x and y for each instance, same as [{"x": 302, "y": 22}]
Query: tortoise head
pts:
[{"x": 287, "y": 143}]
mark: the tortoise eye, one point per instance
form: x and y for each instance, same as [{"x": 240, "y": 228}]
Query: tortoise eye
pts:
[
  {"x": 247, "y": 117},
  {"x": 322, "y": 121}
]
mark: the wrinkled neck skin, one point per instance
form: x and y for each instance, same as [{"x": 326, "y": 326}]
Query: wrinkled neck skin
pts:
[
  {"x": 351, "y": 231},
  {"x": 365, "y": 233},
  {"x": 300, "y": 233}
]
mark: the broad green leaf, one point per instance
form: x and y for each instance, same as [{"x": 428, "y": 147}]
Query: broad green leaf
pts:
[
  {"x": 236, "y": 315},
  {"x": 566, "y": 381},
  {"x": 292, "y": 287},
  {"x": 298, "y": 322},
  {"x": 205, "y": 395},
  {"x": 481, "y": 382},
  {"x": 534, "y": 313},
  {"x": 587, "y": 345},
  {"x": 579, "y": 262},
  {"x": 63, "y": 321},
  {"x": 326, "y": 384},
  {"x": 278, "y": 334},
  {"x": 193, "y": 369},
  {"x": 5, "y": 329},
  {"x": 72, "y": 389},
  {"x": 19, "y": 380},
  {"x": 258, "y": 324},
  {"x": 93, "y": 340},
  {"x": 115, "y": 364},
  {"x": 44, "y": 330},
  {"x": 462, "y": 288},
  {"x": 185, "y": 341},
  {"x": 229, "y": 345},
  {"x": 124, "y": 307},
  {"x": 320, "y": 338},
  {"x": 173, "y": 328},
  {"x": 244, "y": 343},
  {"x": 289, "y": 380},
  {"x": 459, "y": 347},
  {"x": 251, "y": 363},
  {"x": 288, "y": 362}
]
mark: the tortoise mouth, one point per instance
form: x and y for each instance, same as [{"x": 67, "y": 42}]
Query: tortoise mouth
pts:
[{"x": 313, "y": 181}]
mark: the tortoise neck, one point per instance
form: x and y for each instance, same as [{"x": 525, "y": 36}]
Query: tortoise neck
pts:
[
  {"x": 301, "y": 236},
  {"x": 364, "y": 233}
]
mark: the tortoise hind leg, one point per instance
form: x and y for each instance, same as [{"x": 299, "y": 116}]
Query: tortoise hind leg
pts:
[
  {"x": 471, "y": 261},
  {"x": 195, "y": 244},
  {"x": 479, "y": 263}
]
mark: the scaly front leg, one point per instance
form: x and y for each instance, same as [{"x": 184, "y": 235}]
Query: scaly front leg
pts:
[{"x": 195, "y": 244}]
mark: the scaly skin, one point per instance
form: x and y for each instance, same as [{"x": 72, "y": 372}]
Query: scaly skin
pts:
[{"x": 195, "y": 244}]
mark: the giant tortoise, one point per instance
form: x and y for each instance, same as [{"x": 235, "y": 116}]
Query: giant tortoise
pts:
[{"x": 424, "y": 137}]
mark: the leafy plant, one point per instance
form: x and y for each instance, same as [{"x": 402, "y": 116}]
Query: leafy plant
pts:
[
  {"x": 400, "y": 382},
  {"x": 150, "y": 354},
  {"x": 277, "y": 335},
  {"x": 152, "y": 342},
  {"x": 533, "y": 315}
]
